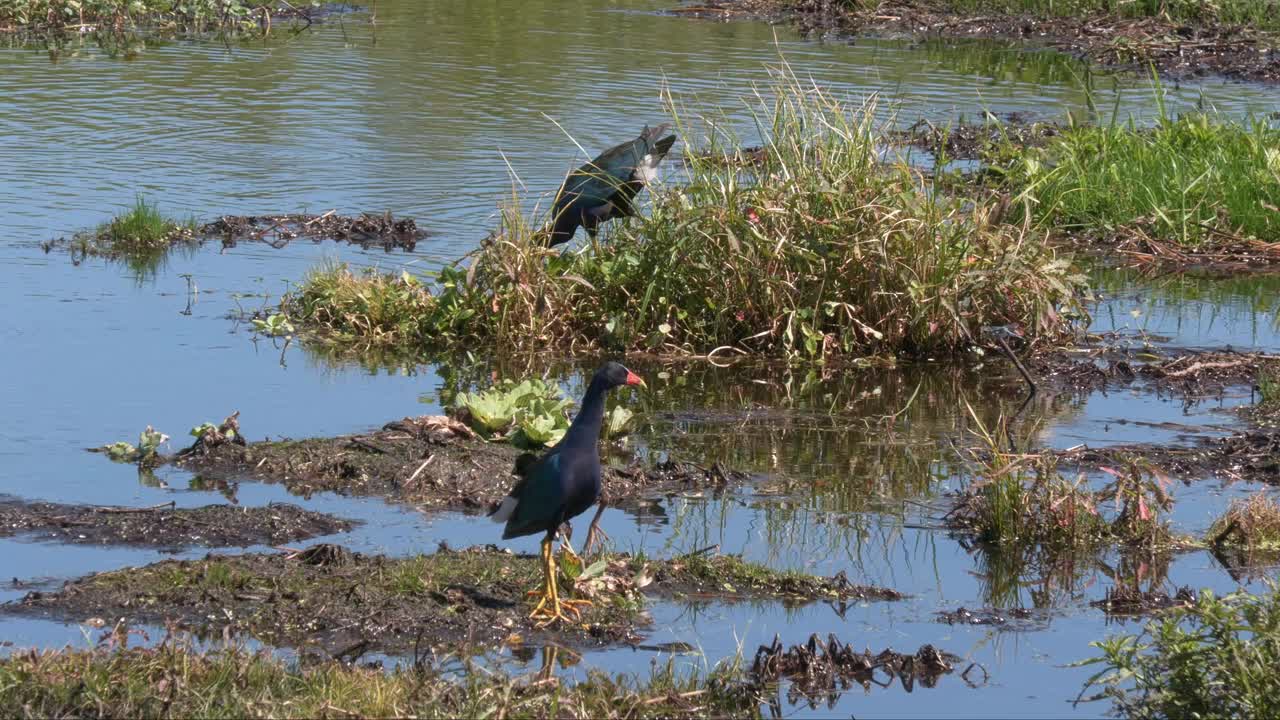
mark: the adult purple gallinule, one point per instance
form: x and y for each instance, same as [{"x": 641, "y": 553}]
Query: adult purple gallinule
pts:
[
  {"x": 560, "y": 485},
  {"x": 606, "y": 187}
]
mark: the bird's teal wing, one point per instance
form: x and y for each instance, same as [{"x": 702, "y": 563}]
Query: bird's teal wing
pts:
[{"x": 540, "y": 499}]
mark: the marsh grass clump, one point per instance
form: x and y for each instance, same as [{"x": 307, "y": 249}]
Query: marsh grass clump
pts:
[
  {"x": 1251, "y": 523},
  {"x": 141, "y": 237},
  {"x": 1196, "y": 180},
  {"x": 1216, "y": 658},
  {"x": 177, "y": 679},
  {"x": 369, "y": 309},
  {"x": 816, "y": 250},
  {"x": 1022, "y": 499}
]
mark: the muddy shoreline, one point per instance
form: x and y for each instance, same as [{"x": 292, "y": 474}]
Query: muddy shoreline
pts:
[
  {"x": 166, "y": 527},
  {"x": 1176, "y": 50},
  {"x": 345, "y": 603}
]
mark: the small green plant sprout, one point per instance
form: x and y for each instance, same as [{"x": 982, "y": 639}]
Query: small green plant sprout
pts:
[
  {"x": 529, "y": 414},
  {"x": 208, "y": 435},
  {"x": 145, "y": 452},
  {"x": 274, "y": 325}
]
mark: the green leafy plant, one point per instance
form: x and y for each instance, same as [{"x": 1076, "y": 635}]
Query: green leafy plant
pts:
[
  {"x": 1193, "y": 180},
  {"x": 146, "y": 451},
  {"x": 617, "y": 422},
  {"x": 275, "y": 325},
  {"x": 1216, "y": 659},
  {"x": 530, "y": 413}
]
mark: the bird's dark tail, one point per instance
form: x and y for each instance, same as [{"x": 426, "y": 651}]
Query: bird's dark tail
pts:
[{"x": 562, "y": 228}]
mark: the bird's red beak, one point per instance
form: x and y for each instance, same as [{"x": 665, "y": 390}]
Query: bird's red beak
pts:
[{"x": 634, "y": 379}]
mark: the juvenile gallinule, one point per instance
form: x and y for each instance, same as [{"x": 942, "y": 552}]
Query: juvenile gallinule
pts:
[
  {"x": 606, "y": 187},
  {"x": 560, "y": 485}
]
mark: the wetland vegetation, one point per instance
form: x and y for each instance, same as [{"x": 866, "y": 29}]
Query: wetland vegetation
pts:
[
  {"x": 156, "y": 17},
  {"x": 813, "y": 250},
  {"x": 807, "y": 239}
]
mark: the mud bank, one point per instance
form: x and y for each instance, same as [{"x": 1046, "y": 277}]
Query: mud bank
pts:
[
  {"x": 166, "y": 527},
  {"x": 1176, "y": 50},
  {"x": 345, "y": 604},
  {"x": 421, "y": 461}
]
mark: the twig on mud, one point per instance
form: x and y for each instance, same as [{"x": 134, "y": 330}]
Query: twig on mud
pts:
[
  {"x": 1017, "y": 363},
  {"x": 127, "y": 510},
  {"x": 421, "y": 467},
  {"x": 318, "y": 218},
  {"x": 1207, "y": 366}
]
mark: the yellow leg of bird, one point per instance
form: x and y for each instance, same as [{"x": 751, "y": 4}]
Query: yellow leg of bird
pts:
[
  {"x": 551, "y": 608},
  {"x": 546, "y": 591}
]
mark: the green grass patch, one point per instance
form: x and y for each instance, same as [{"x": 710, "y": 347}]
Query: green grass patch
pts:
[
  {"x": 1194, "y": 180},
  {"x": 176, "y": 680},
  {"x": 141, "y": 237},
  {"x": 1216, "y": 659},
  {"x": 817, "y": 251}
]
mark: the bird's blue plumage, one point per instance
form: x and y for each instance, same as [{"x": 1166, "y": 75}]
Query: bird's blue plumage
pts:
[
  {"x": 606, "y": 187},
  {"x": 565, "y": 481},
  {"x": 553, "y": 491}
]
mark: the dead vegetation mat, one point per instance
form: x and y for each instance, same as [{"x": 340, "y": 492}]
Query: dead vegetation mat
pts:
[
  {"x": 166, "y": 527},
  {"x": 432, "y": 462},
  {"x": 345, "y": 604},
  {"x": 1176, "y": 50},
  {"x": 1190, "y": 373},
  {"x": 366, "y": 230}
]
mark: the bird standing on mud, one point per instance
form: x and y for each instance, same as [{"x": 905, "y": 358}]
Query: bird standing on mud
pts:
[
  {"x": 560, "y": 485},
  {"x": 606, "y": 187}
]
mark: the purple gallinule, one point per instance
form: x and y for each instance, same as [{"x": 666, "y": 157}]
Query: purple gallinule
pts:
[
  {"x": 560, "y": 485},
  {"x": 606, "y": 187}
]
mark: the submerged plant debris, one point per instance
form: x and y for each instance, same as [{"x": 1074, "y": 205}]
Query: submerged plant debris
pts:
[
  {"x": 1130, "y": 600},
  {"x": 143, "y": 239},
  {"x": 346, "y": 603},
  {"x": 1252, "y": 455},
  {"x": 984, "y": 616},
  {"x": 1191, "y": 373},
  {"x": 821, "y": 668},
  {"x": 166, "y": 526}
]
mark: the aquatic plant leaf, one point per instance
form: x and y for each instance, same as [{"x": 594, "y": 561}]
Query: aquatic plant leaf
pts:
[
  {"x": 541, "y": 429},
  {"x": 121, "y": 451},
  {"x": 617, "y": 421},
  {"x": 492, "y": 411}
]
